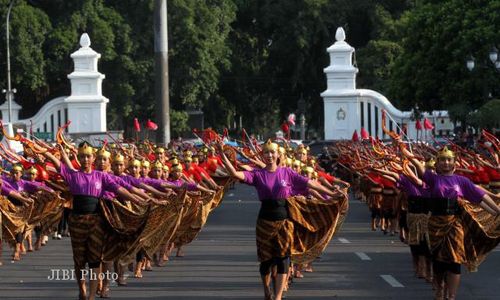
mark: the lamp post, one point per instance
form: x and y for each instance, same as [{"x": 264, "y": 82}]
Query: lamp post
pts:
[{"x": 9, "y": 93}]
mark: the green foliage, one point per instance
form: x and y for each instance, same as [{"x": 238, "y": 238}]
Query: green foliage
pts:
[
  {"x": 487, "y": 115},
  {"x": 255, "y": 59}
]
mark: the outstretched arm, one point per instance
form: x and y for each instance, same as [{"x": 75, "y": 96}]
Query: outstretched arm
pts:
[{"x": 227, "y": 164}]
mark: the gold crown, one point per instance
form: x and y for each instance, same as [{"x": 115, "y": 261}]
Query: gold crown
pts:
[
  {"x": 430, "y": 164},
  {"x": 196, "y": 159},
  {"x": 281, "y": 150},
  {"x": 188, "y": 153},
  {"x": 296, "y": 163},
  {"x": 165, "y": 168},
  {"x": 17, "y": 168},
  {"x": 446, "y": 153},
  {"x": 308, "y": 170},
  {"x": 312, "y": 162},
  {"x": 188, "y": 159},
  {"x": 157, "y": 165},
  {"x": 86, "y": 149},
  {"x": 32, "y": 170},
  {"x": 135, "y": 163},
  {"x": 118, "y": 158},
  {"x": 146, "y": 164},
  {"x": 177, "y": 168},
  {"x": 270, "y": 146},
  {"x": 160, "y": 150},
  {"x": 174, "y": 161},
  {"x": 289, "y": 161},
  {"x": 103, "y": 153}
]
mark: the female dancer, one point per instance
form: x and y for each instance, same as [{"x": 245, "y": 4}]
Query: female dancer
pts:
[
  {"x": 446, "y": 228},
  {"x": 85, "y": 222},
  {"x": 274, "y": 185}
]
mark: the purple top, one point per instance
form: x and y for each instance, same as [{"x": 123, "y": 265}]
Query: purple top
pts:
[
  {"x": 6, "y": 189},
  {"x": 180, "y": 182},
  {"x": 158, "y": 184},
  {"x": 88, "y": 184},
  {"x": 23, "y": 185},
  {"x": 410, "y": 188},
  {"x": 275, "y": 185},
  {"x": 453, "y": 186},
  {"x": 111, "y": 195}
]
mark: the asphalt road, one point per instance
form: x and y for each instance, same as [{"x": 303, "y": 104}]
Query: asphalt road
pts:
[{"x": 222, "y": 264}]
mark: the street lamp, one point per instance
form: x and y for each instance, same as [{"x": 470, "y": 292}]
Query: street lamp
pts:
[
  {"x": 9, "y": 93},
  {"x": 493, "y": 55}
]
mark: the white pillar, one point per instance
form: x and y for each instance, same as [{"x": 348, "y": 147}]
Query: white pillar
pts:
[{"x": 86, "y": 105}]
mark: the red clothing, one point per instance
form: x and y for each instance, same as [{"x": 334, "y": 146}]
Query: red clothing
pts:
[
  {"x": 482, "y": 175},
  {"x": 493, "y": 174},
  {"x": 192, "y": 173},
  {"x": 327, "y": 176},
  {"x": 387, "y": 183}
]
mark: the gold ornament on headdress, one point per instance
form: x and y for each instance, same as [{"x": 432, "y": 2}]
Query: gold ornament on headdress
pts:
[
  {"x": 165, "y": 168},
  {"x": 308, "y": 170},
  {"x": 103, "y": 153},
  {"x": 446, "y": 153},
  {"x": 188, "y": 159},
  {"x": 196, "y": 159},
  {"x": 157, "y": 165},
  {"x": 188, "y": 153},
  {"x": 430, "y": 164},
  {"x": 119, "y": 158},
  {"x": 136, "y": 163},
  {"x": 281, "y": 150},
  {"x": 85, "y": 149},
  {"x": 17, "y": 168},
  {"x": 296, "y": 163},
  {"x": 146, "y": 164},
  {"x": 174, "y": 161},
  {"x": 160, "y": 150},
  {"x": 32, "y": 170},
  {"x": 177, "y": 168},
  {"x": 270, "y": 146}
]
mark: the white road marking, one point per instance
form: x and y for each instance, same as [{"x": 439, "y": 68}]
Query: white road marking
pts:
[
  {"x": 362, "y": 256},
  {"x": 392, "y": 281},
  {"x": 344, "y": 241}
]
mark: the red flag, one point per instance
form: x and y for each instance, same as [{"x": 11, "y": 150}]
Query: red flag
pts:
[
  {"x": 418, "y": 125},
  {"x": 428, "y": 125},
  {"x": 137, "y": 126},
  {"x": 355, "y": 136},
  {"x": 151, "y": 125},
  {"x": 364, "y": 134},
  {"x": 285, "y": 127}
]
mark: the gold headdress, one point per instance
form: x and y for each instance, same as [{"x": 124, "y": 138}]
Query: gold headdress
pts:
[
  {"x": 188, "y": 153},
  {"x": 177, "y": 168},
  {"x": 85, "y": 148},
  {"x": 159, "y": 150},
  {"x": 103, "y": 153},
  {"x": 165, "y": 168},
  {"x": 157, "y": 165},
  {"x": 174, "y": 161},
  {"x": 146, "y": 164},
  {"x": 118, "y": 158},
  {"x": 281, "y": 150},
  {"x": 445, "y": 153},
  {"x": 430, "y": 164},
  {"x": 269, "y": 146},
  {"x": 32, "y": 170},
  {"x": 188, "y": 159},
  {"x": 296, "y": 163},
  {"x": 308, "y": 170},
  {"x": 17, "y": 168},
  {"x": 135, "y": 163}
]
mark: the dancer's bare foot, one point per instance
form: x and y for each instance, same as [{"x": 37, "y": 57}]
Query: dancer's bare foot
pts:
[{"x": 148, "y": 266}]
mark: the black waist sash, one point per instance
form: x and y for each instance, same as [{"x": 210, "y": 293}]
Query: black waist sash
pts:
[
  {"x": 418, "y": 205},
  {"x": 15, "y": 201},
  {"x": 84, "y": 205},
  {"x": 273, "y": 209},
  {"x": 443, "y": 206}
]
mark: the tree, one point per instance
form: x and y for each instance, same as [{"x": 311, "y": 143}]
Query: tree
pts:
[{"x": 437, "y": 37}]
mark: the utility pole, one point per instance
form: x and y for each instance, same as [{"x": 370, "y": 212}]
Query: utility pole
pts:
[
  {"x": 161, "y": 71},
  {"x": 9, "y": 93}
]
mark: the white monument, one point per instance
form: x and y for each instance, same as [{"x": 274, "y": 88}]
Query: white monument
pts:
[
  {"x": 85, "y": 107},
  {"x": 348, "y": 109}
]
